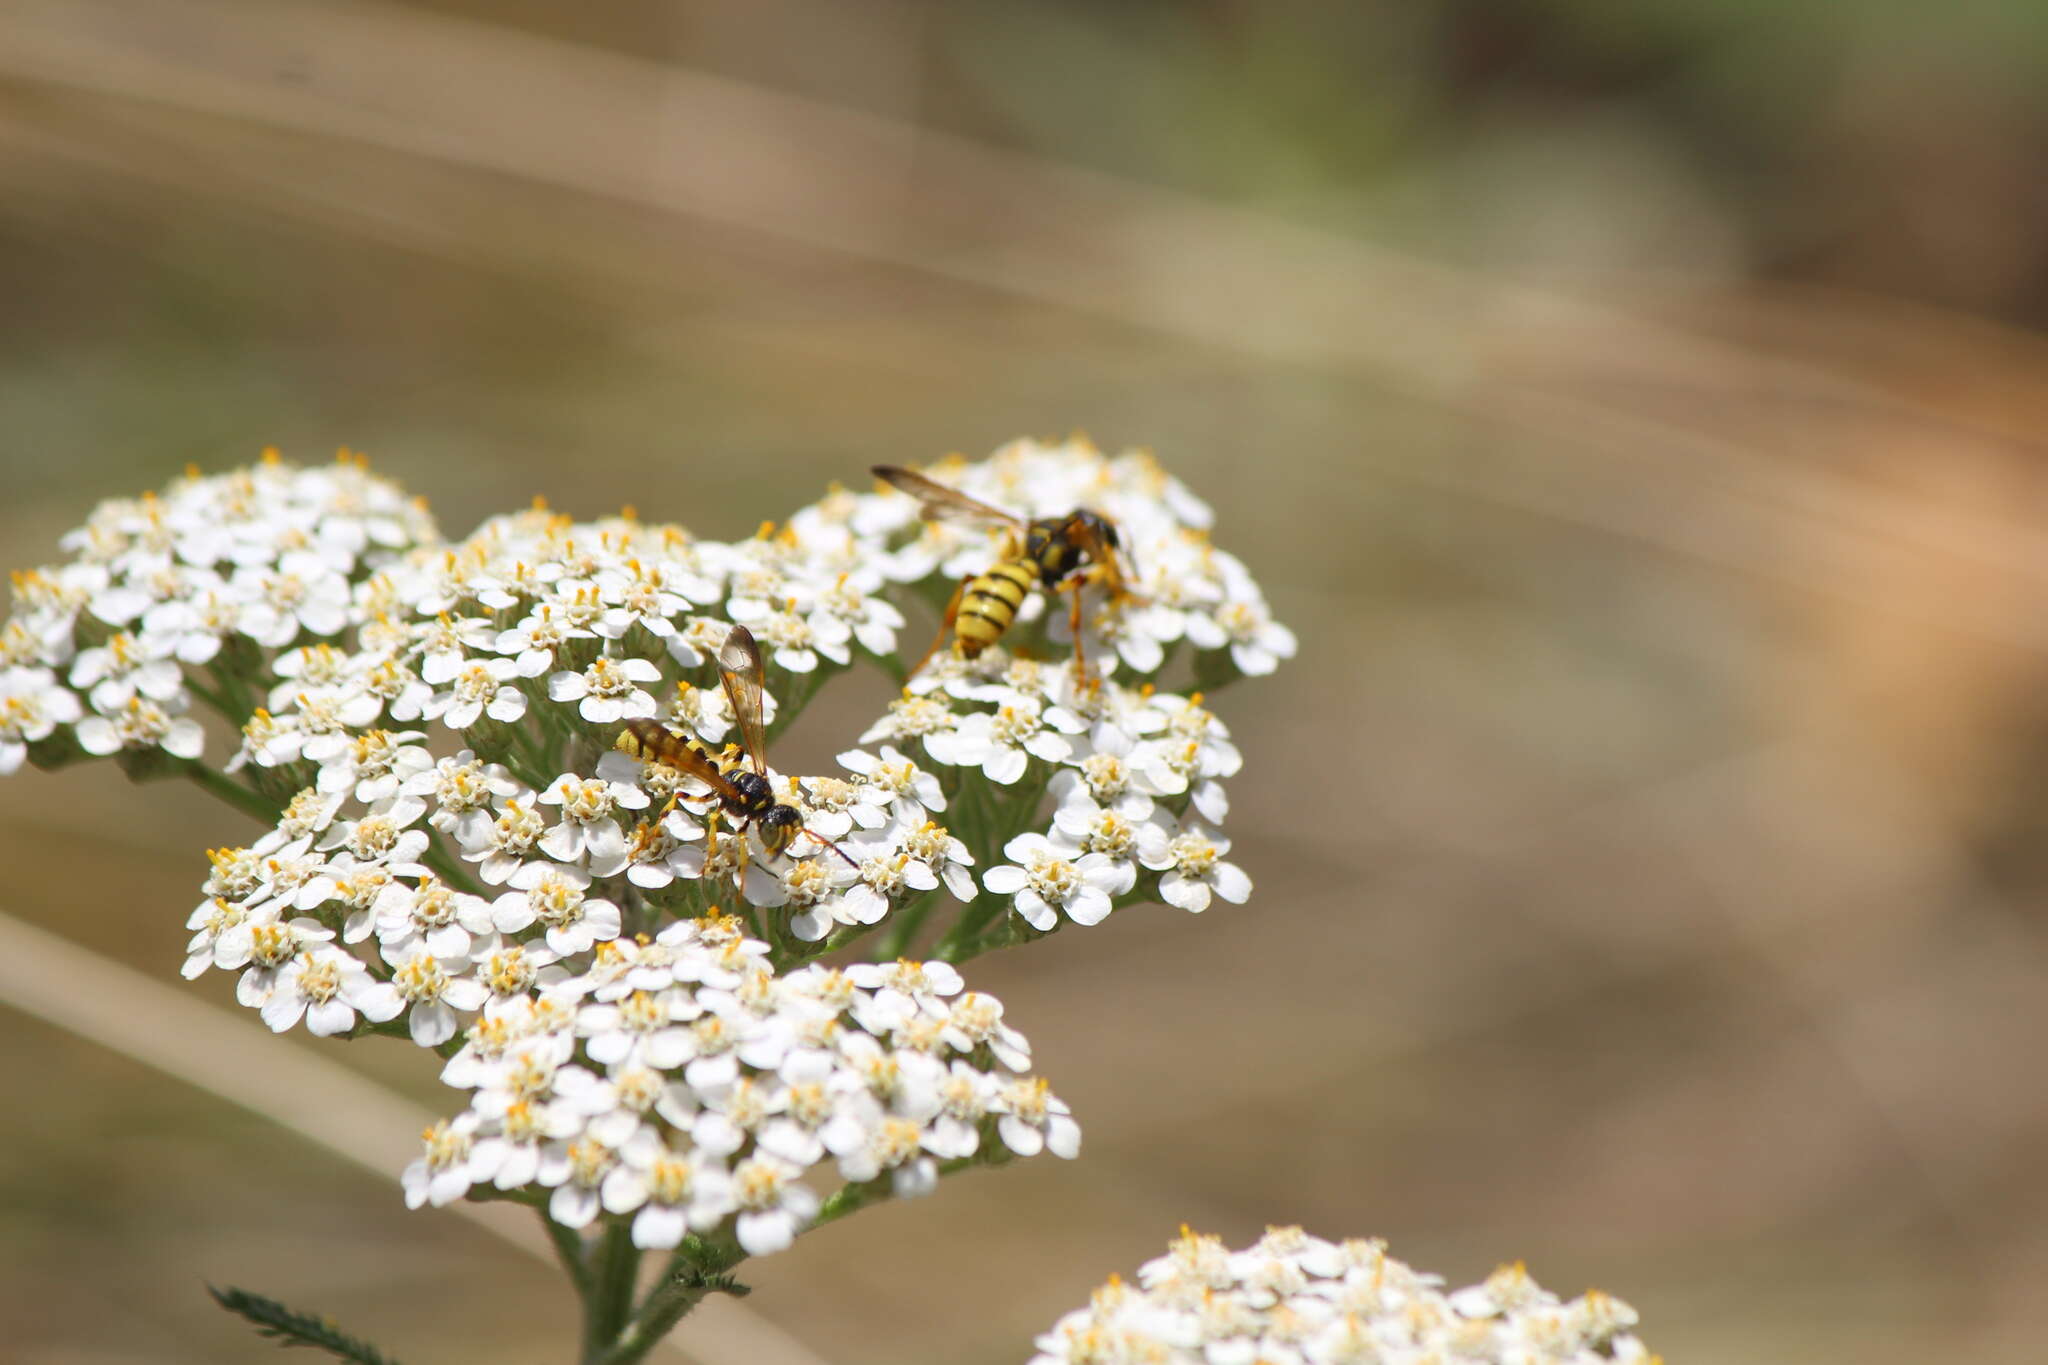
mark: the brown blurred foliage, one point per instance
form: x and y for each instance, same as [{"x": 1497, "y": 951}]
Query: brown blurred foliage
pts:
[{"x": 1638, "y": 411}]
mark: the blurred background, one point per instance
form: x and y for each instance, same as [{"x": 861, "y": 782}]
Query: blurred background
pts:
[{"x": 1638, "y": 410}]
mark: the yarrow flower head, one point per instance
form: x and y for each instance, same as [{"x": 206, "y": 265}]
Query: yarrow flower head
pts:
[
  {"x": 233, "y": 568},
  {"x": 522, "y": 809},
  {"x": 679, "y": 1081},
  {"x": 1294, "y": 1299}
]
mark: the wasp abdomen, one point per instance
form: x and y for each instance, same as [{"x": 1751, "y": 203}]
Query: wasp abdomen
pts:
[
  {"x": 652, "y": 742},
  {"x": 989, "y": 603}
]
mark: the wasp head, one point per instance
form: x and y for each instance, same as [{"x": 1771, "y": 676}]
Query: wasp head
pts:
[{"x": 778, "y": 827}]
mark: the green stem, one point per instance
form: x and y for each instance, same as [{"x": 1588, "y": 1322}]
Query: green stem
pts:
[
  {"x": 1006, "y": 932},
  {"x": 892, "y": 664},
  {"x": 957, "y": 945},
  {"x": 853, "y": 1198},
  {"x": 903, "y": 928},
  {"x": 450, "y": 871},
  {"x": 1214, "y": 670},
  {"x": 799, "y": 954},
  {"x": 668, "y": 1303},
  {"x": 537, "y": 753},
  {"x": 568, "y": 1244},
  {"x": 214, "y": 699},
  {"x": 511, "y": 744},
  {"x": 235, "y": 701},
  {"x": 250, "y": 803},
  {"x": 695, "y": 1271},
  {"x": 1015, "y": 808},
  {"x": 608, "y": 1298}
]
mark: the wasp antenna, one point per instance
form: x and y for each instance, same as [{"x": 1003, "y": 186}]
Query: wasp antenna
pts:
[{"x": 834, "y": 847}]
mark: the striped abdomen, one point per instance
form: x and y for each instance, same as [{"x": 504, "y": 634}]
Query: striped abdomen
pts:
[
  {"x": 652, "y": 742},
  {"x": 738, "y": 788},
  {"x": 988, "y": 605}
]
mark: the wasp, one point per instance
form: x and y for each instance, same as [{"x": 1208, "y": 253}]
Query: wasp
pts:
[
  {"x": 1058, "y": 554},
  {"x": 739, "y": 783}
]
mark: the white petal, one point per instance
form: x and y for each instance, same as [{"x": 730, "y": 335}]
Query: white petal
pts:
[
  {"x": 1089, "y": 905},
  {"x": 1004, "y": 879},
  {"x": 185, "y": 739},
  {"x": 1065, "y": 1138},
  {"x": 1231, "y": 883},
  {"x": 1006, "y": 765},
  {"x": 432, "y": 1023},
  {"x": 1049, "y": 746},
  {"x": 624, "y": 1190},
  {"x": 762, "y": 1234},
  {"x": 659, "y": 1226},
  {"x": 1020, "y": 1137},
  {"x": 573, "y": 1206},
  {"x": 1037, "y": 913},
  {"x": 326, "y": 1020}
]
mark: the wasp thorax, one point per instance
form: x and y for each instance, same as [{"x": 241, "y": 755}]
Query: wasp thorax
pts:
[{"x": 755, "y": 790}]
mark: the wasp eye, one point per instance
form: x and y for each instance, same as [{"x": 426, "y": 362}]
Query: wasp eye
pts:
[{"x": 779, "y": 828}]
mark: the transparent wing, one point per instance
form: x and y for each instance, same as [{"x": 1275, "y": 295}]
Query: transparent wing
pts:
[
  {"x": 941, "y": 502},
  {"x": 739, "y": 667}
]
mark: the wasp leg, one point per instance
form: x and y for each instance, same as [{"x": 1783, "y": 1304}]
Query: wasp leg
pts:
[
  {"x": 1081, "y": 675},
  {"x": 711, "y": 823},
  {"x": 945, "y": 626},
  {"x": 739, "y": 871},
  {"x": 1118, "y": 585},
  {"x": 740, "y": 864},
  {"x": 675, "y": 803}
]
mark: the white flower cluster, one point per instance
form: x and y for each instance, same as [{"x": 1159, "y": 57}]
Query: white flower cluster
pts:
[
  {"x": 527, "y": 641},
  {"x": 1136, "y": 779},
  {"x": 552, "y": 626},
  {"x": 1293, "y": 1299},
  {"x": 247, "y": 563},
  {"x": 465, "y": 856},
  {"x": 680, "y": 1082},
  {"x": 336, "y": 913},
  {"x": 1181, "y": 587}
]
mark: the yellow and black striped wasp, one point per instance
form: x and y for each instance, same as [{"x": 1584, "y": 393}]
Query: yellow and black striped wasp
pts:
[
  {"x": 1059, "y": 554},
  {"x": 738, "y": 782}
]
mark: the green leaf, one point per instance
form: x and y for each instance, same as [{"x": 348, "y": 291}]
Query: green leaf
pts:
[{"x": 288, "y": 1327}]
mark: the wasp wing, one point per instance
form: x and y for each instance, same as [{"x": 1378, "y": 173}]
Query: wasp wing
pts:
[
  {"x": 652, "y": 742},
  {"x": 740, "y": 669},
  {"x": 941, "y": 502}
]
